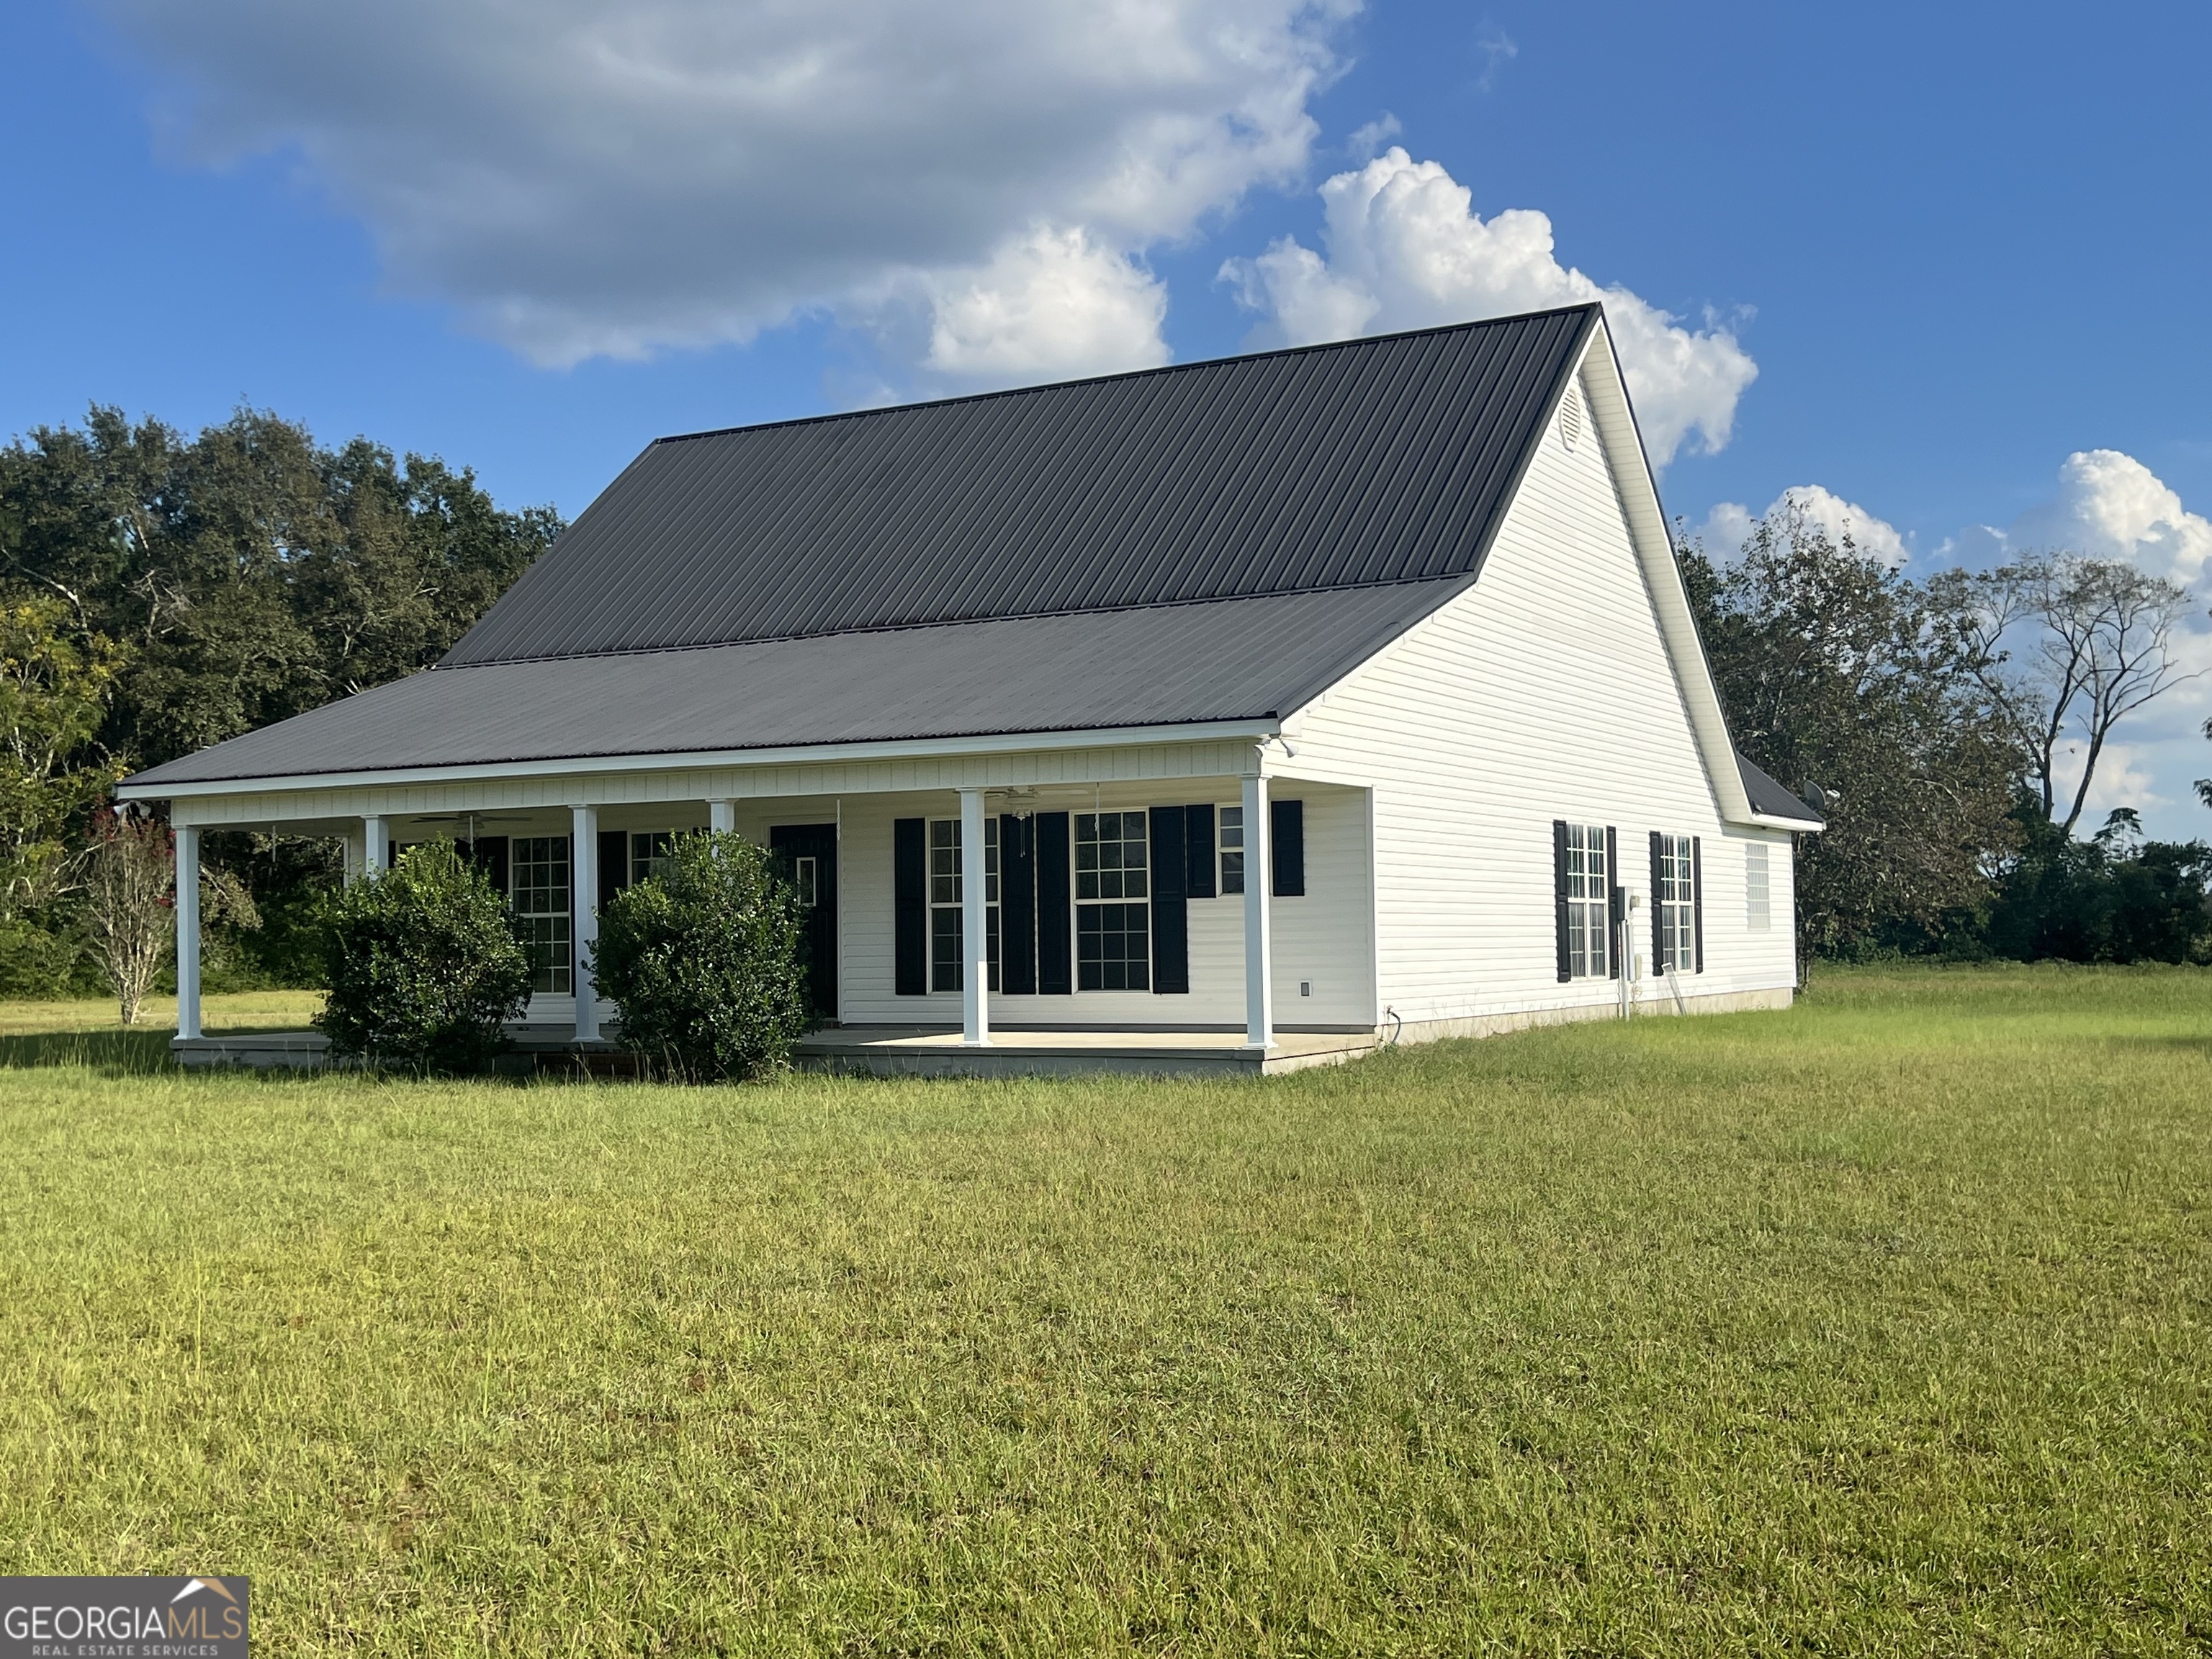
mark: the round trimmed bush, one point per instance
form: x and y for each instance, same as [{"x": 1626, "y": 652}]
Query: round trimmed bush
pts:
[
  {"x": 425, "y": 966},
  {"x": 703, "y": 960}
]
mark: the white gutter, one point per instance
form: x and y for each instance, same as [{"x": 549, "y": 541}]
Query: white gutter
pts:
[{"x": 1007, "y": 743}]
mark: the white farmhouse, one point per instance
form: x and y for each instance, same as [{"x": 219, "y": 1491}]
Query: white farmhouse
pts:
[{"x": 1244, "y": 714}]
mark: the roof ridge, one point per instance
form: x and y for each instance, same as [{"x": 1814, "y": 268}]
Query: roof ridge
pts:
[
  {"x": 443, "y": 667},
  {"x": 1312, "y": 347}
]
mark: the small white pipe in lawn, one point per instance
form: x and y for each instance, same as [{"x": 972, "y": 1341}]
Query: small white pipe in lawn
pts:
[
  {"x": 188, "y": 931},
  {"x": 1259, "y": 944},
  {"x": 975, "y": 925},
  {"x": 584, "y": 863}
]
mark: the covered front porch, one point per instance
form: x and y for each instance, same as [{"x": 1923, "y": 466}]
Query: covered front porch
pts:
[{"x": 1134, "y": 910}]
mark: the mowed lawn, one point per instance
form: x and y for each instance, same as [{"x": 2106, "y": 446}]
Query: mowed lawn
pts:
[{"x": 1882, "y": 1326}]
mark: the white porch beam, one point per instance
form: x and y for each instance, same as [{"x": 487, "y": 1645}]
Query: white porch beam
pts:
[
  {"x": 722, "y": 816},
  {"x": 975, "y": 925},
  {"x": 188, "y": 932},
  {"x": 376, "y": 847},
  {"x": 1258, "y": 939},
  {"x": 583, "y": 869}
]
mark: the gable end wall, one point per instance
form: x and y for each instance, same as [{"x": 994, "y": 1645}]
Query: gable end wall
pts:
[{"x": 1543, "y": 692}]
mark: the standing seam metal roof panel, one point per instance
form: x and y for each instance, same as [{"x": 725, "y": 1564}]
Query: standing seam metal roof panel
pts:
[{"x": 1337, "y": 467}]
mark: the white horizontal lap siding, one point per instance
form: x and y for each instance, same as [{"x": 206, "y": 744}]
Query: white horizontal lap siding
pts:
[
  {"x": 1324, "y": 939},
  {"x": 1543, "y": 692}
]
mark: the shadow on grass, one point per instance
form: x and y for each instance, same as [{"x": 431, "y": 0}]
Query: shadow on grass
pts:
[{"x": 115, "y": 1053}]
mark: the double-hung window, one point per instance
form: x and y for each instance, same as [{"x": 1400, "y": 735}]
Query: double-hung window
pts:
[
  {"x": 947, "y": 926},
  {"x": 1232, "y": 849},
  {"x": 537, "y": 877},
  {"x": 1674, "y": 898},
  {"x": 649, "y": 852},
  {"x": 1588, "y": 902},
  {"x": 1113, "y": 915},
  {"x": 1758, "y": 905}
]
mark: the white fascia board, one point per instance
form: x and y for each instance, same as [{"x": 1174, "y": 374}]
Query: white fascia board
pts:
[
  {"x": 1012, "y": 743},
  {"x": 1803, "y": 826},
  {"x": 1639, "y": 490}
]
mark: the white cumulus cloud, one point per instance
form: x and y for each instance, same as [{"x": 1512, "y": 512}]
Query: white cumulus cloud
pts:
[
  {"x": 2111, "y": 505},
  {"x": 1728, "y": 526},
  {"x": 618, "y": 177},
  {"x": 1403, "y": 249}
]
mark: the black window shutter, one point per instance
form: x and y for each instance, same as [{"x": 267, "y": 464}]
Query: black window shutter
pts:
[
  {"x": 1616, "y": 904},
  {"x": 1171, "y": 914},
  {"x": 1198, "y": 851},
  {"x": 1560, "y": 897},
  {"x": 1698, "y": 898},
  {"x": 1055, "y": 948},
  {"x": 1659, "y": 963},
  {"x": 910, "y": 908},
  {"x": 1287, "y": 855},
  {"x": 489, "y": 855},
  {"x": 614, "y": 864},
  {"x": 1018, "y": 975}
]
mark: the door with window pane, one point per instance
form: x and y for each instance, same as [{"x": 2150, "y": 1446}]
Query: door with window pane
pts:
[
  {"x": 1113, "y": 914},
  {"x": 808, "y": 855}
]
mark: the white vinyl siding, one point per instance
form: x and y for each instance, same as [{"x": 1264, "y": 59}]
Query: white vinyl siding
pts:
[{"x": 1544, "y": 691}]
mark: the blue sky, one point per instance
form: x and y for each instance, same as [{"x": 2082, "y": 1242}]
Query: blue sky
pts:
[{"x": 1937, "y": 262}]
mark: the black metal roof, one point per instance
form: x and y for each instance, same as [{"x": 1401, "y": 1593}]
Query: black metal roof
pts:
[
  {"x": 1223, "y": 659},
  {"x": 1774, "y": 798},
  {"x": 1386, "y": 459}
]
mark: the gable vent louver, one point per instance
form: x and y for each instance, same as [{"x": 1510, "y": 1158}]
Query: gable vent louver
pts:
[{"x": 1571, "y": 418}]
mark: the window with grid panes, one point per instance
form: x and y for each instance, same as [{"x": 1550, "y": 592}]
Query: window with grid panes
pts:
[
  {"x": 1676, "y": 901},
  {"x": 1232, "y": 849},
  {"x": 1758, "y": 906},
  {"x": 537, "y": 881},
  {"x": 648, "y": 853},
  {"x": 947, "y": 928},
  {"x": 1113, "y": 913},
  {"x": 1589, "y": 954}
]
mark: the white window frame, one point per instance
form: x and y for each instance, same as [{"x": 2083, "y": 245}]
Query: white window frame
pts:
[
  {"x": 548, "y": 934},
  {"x": 1231, "y": 820},
  {"x": 649, "y": 852},
  {"x": 947, "y": 914},
  {"x": 1119, "y": 890},
  {"x": 1673, "y": 900},
  {"x": 1757, "y": 888},
  {"x": 1589, "y": 904}
]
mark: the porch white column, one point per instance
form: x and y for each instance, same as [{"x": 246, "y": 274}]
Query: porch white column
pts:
[
  {"x": 1259, "y": 952},
  {"x": 722, "y": 816},
  {"x": 376, "y": 847},
  {"x": 975, "y": 925},
  {"x": 583, "y": 870},
  {"x": 188, "y": 931}
]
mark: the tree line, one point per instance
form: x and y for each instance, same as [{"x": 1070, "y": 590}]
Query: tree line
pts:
[
  {"x": 1952, "y": 731},
  {"x": 159, "y": 593}
]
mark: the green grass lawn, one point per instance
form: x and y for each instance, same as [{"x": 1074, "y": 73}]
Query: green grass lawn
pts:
[{"x": 1876, "y": 1327}]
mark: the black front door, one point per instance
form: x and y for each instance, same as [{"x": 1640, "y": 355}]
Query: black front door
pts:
[{"x": 809, "y": 852}]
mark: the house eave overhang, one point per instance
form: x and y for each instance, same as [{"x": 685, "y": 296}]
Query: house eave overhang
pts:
[
  {"x": 1803, "y": 826},
  {"x": 982, "y": 744}
]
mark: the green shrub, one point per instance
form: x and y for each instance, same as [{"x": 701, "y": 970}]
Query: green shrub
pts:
[
  {"x": 703, "y": 960},
  {"x": 423, "y": 965}
]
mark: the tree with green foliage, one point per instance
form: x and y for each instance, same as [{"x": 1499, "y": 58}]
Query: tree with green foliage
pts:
[
  {"x": 182, "y": 590},
  {"x": 703, "y": 960},
  {"x": 425, "y": 966},
  {"x": 2114, "y": 897},
  {"x": 55, "y": 691},
  {"x": 1840, "y": 674}
]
